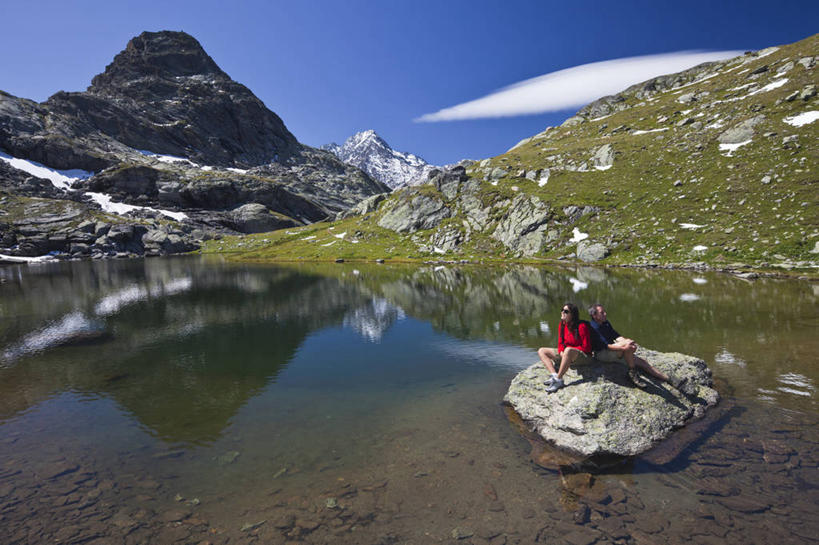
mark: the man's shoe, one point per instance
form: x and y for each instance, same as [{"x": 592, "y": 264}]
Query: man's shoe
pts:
[
  {"x": 556, "y": 385},
  {"x": 634, "y": 375},
  {"x": 550, "y": 380},
  {"x": 677, "y": 381}
]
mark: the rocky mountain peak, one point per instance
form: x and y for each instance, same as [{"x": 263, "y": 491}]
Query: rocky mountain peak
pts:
[
  {"x": 164, "y": 54},
  {"x": 372, "y": 154}
]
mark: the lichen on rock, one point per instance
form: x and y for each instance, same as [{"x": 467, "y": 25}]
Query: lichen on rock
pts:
[{"x": 600, "y": 412}]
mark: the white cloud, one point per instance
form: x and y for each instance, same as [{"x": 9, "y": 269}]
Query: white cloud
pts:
[{"x": 574, "y": 87}]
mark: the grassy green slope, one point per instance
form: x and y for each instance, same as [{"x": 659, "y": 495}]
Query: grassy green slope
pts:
[{"x": 757, "y": 205}]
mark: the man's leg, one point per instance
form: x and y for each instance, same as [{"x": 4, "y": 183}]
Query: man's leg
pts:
[
  {"x": 645, "y": 366},
  {"x": 628, "y": 355}
]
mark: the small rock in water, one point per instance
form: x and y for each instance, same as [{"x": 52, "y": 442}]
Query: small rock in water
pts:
[
  {"x": 331, "y": 503},
  {"x": 248, "y": 526},
  {"x": 227, "y": 458},
  {"x": 461, "y": 533}
]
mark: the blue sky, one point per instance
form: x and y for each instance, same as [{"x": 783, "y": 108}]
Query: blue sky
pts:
[{"x": 330, "y": 69}]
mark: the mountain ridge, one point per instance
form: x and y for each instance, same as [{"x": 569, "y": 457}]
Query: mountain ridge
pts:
[
  {"x": 161, "y": 132},
  {"x": 715, "y": 166}
]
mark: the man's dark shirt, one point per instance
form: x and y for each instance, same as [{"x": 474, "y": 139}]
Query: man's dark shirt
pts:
[{"x": 603, "y": 335}]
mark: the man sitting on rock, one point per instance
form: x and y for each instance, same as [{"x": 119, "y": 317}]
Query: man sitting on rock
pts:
[{"x": 610, "y": 346}]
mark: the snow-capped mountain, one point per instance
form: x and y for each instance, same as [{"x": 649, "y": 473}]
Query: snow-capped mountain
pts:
[{"x": 369, "y": 152}]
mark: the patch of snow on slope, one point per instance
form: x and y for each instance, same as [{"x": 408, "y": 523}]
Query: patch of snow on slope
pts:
[
  {"x": 652, "y": 130},
  {"x": 121, "y": 208},
  {"x": 61, "y": 179},
  {"x": 805, "y": 118},
  {"x": 731, "y": 148},
  {"x": 65, "y": 179},
  {"x": 770, "y": 87},
  {"x": 577, "y": 236},
  {"x": 166, "y": 158}
]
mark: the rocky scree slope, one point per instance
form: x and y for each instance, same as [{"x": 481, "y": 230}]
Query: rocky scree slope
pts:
[
  {"x": 163, "y": 127},
  {"x": 715, "y": 166},
  {"x": 371, "y": 153}
]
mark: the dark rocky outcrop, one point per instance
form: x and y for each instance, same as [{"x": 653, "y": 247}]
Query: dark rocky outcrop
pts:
[
  {"x": 164, "y": 95},
  {"x": 599, "y": 411}
]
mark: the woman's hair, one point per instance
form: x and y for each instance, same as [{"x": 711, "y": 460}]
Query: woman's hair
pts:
[{"x": 575, "y": 316}]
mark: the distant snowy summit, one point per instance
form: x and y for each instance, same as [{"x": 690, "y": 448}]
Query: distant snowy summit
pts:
[{"x": 369, "y": 152}]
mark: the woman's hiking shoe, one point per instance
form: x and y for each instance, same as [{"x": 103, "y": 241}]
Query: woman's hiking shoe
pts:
[
  {"x": 634, "y": 375},
  {"x": 550, "y": 380},
  {"x": 557, "y": 384}
]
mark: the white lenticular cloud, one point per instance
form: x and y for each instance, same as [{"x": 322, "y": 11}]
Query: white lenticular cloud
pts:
[{"x": 574, "y": 86}]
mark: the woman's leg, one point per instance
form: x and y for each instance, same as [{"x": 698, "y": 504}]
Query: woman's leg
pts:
[
  {"x": 548, "y": 356},
  {"x": 566, "y": 359}
]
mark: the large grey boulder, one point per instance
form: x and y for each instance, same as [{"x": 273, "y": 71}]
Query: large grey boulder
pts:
[
  {"x": 256, "y": 218},
  {"x": 521, "y": 228},
  {"x": 413, "y": 212},
  {"x": 599, "y": 411},
  {"x": 591, "y": 251},
  {"x": 448, "y": 181},
  {"x": 370, "y": 204},
  {"x": 742, "y": 132},
  {"x": 603, "y": 157}
]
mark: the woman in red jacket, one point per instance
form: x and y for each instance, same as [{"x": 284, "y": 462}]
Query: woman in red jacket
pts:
[{"x": 573, "y": 346}]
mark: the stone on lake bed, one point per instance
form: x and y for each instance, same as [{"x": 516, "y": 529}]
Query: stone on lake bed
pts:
[{"x": 600, "y": 412}]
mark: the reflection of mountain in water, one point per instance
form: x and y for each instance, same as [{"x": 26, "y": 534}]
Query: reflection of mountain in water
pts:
[
  {"x": 191, "y": 342},
  {"x": 373, "y": 319}
]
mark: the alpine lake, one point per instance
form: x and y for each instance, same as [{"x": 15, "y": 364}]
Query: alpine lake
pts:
[{"x": 185, "y": 400}]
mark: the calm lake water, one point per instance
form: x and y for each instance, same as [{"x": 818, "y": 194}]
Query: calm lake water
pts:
[{"x": 187, "y": 401}]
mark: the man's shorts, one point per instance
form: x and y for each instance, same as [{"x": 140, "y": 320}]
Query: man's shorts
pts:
[{"x": 609, "y": 356}]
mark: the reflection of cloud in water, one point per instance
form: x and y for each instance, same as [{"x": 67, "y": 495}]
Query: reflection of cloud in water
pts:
[
  {"x": 793, "y": 381},
  {"x": 699, "y": 280},
  {"x": 132, "y": 294},
  {"x": 687, "y": 297},
  {"x": 59, "y": 332},
  {"x": 493, "y": 354},
  {"x": 723, "y": 356},
  {"x": 544, "y": 327},
  {"x": 373, "y": 319},
  {"x": 578, "y": 285}
]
